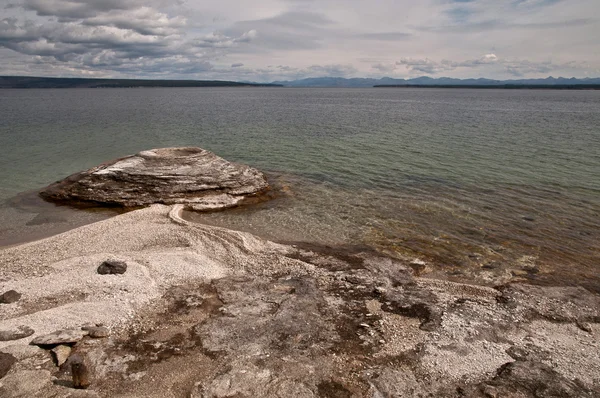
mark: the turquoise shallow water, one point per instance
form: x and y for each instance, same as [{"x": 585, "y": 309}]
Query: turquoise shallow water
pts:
[{"x": 464, "y": 179}]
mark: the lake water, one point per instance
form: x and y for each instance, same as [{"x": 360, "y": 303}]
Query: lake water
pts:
[{"x": 480, "y": 184}]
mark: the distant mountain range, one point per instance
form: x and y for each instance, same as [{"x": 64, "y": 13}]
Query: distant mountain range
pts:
[
  {"x": 442, "y": 81},
  {"x": 60, "y": 82}
]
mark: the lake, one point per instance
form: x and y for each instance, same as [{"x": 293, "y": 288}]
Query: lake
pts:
[{"x": 480, "y": 185}]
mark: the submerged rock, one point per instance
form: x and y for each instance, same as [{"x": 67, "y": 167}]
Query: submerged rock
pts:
[{"x": 188, "y": 175}]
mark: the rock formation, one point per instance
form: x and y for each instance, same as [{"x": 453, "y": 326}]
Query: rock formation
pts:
[{"x": 191, "y": 176}]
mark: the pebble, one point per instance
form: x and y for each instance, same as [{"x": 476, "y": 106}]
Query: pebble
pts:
[
  {"x": 112, "y": 267},
  {"x": 10, "y": 297}
]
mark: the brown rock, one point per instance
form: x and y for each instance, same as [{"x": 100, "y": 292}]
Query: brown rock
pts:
[
  {"x": 10, "y": 296},
  {"x": 6, "y": 362},
  {"x": 112, "y": 267},
  {"x": 60, "y": 354},
  {"x": 191, "y": 176},
  {"x": 96, "y": 331}
]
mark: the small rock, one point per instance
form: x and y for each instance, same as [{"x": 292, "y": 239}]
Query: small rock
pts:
[
  {"x": 25, "y": 383},
  {"x": 519, "y": 272},
  {"x": 6, "y": 362},
  {"x": 380, "y": 290},
  {"x": 586, "y": 327},
  {"x": 80, "y": 372},
  {"x": 518, "y": 353},
  {"x": 490, "y": 392},
  {"x": 60, "y": 354},
  {"x": 19, "y": 332},
  {"x": 10, "y": 297},
  {"x": 112, "y": 267},
  {"x": 96, "y": 331},
  {"x": 68, "y": 336}
]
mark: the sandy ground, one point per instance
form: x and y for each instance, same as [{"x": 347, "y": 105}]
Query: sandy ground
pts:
[
  {"x": 161, "y": 250},
  {"x": 224, "y": 313}
]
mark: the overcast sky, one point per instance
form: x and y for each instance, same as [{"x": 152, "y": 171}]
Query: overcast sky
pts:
[{"x": 267, "y": 40}]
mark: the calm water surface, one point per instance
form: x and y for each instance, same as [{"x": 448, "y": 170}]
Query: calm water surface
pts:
[{"x": 478, "y": 183}]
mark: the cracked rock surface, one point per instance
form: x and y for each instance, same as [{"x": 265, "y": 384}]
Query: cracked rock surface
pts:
[
  {"x": 186, "y": 175},
  {"x": 209, "y": 312}
]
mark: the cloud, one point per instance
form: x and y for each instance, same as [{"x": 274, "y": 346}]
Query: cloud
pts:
[
  {"x": 80, "y": 9},
  {"x": 267, "y": 40},
  {"x": 392, "y": 36},
  {"x": 494, "y": 24},
  {"x": 488, "y": 62},
  {"x": 143, "y": 20},
  {"x": 285, "y": 31},
  {"x": 115, "y": 36},
  {"x": 431, "y": 67}
]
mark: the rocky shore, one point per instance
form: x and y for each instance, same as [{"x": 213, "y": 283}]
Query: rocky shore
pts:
[{"x": 147, "y": 304}]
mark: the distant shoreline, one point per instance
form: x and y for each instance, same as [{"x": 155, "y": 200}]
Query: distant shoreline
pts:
[
  {"x": 503, "y": 86},
  {"x": 59, "y": 82},
  {"x": 19, "y": 82}
]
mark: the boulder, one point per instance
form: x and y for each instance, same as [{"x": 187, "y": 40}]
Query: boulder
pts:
[
  {"x": 112, "y": 267},
  {"x": 189, "y": 175},
  {"x": 10, "y": 297}
]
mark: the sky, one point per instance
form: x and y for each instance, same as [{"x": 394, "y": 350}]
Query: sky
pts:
[{"x": 272, "y": 40}]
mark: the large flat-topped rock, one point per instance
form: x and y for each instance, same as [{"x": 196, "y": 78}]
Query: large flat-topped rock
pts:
[{"x": 189, "y": 175}]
